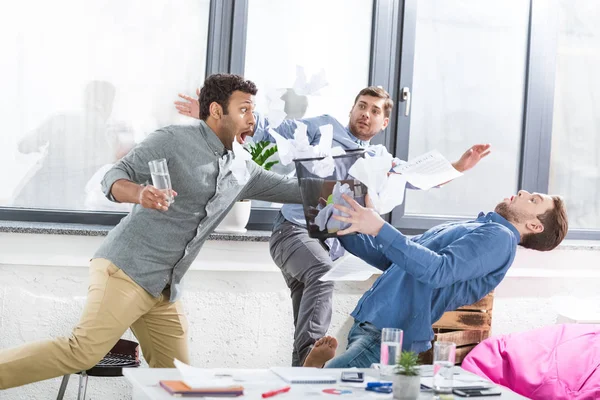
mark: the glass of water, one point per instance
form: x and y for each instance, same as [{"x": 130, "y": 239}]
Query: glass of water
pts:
[
  {"x": 161, "y": 178},
  {"x": 391, "y": 346},
  {"x": 444, "y": 355}
]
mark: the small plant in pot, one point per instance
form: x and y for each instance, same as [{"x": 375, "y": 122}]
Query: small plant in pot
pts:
[
  {"x": 407, "y": 382},
  {"x": 236, "y": 220}
]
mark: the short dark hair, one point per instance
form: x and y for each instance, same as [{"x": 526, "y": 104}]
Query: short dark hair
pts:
[
  {"x": 218, "y": 88},
  {"x": 556, "y": 225},
  {"x": 378, "y": 91}
]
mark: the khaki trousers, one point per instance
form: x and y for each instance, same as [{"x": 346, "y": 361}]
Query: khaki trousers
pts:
[{"x": 114, "y": 303}]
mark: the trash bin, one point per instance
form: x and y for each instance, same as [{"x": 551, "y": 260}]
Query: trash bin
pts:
[{"x": 319, "y": 193}]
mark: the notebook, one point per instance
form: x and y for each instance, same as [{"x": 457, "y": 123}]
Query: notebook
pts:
[
  {"x": 179, "y": 388},
  {"x": 304, "y": 375}
]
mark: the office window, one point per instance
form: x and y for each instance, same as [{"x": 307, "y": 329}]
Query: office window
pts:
[
  {"x": 327, "y": 41},
  {"x": 84, "y": 81},
  {"x": 468, "y": 88},
  {"x": 575, "y": 158}
]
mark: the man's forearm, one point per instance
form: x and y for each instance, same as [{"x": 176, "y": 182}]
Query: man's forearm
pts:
[{"x": 125, "y": 191}]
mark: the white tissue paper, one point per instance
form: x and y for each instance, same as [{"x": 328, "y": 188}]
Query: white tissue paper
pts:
[
  {"x": 386, "y": 190},
  {"x": 324, "y": 218},
  {"x": 238, "y": 165},
  {"x": 300, "y": 147},
  {"x": 276, "y": 107},
  {"x": 304, "y": 87}
]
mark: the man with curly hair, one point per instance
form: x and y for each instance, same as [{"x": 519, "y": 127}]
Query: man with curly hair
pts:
[{"x": 135, "y": 275}]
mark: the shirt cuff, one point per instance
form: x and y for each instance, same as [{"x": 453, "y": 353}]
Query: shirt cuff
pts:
[
  {"x": 109, "y": 179},
  {"x": 386, "y": 236}
]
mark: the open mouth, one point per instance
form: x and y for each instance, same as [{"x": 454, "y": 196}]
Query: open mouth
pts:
[{"x": 242, "y": 137}]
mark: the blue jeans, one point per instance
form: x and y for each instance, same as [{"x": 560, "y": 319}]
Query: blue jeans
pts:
[{"x": 364, "y": 347}]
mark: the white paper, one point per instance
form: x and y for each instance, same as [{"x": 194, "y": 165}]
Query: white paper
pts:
[
  {"x": 349, "y": 268},
  {"x": 239, "y": 169},
  {"x": 285, "y": 150},
  {"x": 385, "y": 190},
  {"x": 429, "y": 170},
  {"x": 305, "y": 87},
  {"x": 198, "y": 378},
  {"x": 323, "y": 168},
  {"x": 391, "y": 195},
  {"x": 276, "y": 117},
  {"x": 326, "y": 140},
  {"x": 300, "y": 147}
]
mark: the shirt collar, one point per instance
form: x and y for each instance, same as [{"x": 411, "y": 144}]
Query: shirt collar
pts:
[
  {"x": 361, "y": 143},
  {"x": 212, "y": 139},
  {"x": 495, "y": 217}
]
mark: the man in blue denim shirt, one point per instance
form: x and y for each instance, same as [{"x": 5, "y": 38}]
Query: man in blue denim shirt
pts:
[
  {"x": 302, "y": 259},
  {"x": 449, "y": 266}
]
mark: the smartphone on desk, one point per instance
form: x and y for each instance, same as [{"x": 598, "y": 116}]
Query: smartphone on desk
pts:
[
  {"x": 477, "y": 392},
  {"x": 353, "y": 376}
]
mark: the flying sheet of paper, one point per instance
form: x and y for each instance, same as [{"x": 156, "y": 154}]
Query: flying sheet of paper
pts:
[
  {"x": 300, "y": 147},
  {"x": 304, "y": 87},
  {"x": 385, "y": 190},
  {"x": 239, "y": 170},
  {"x": 428, "y": 170},
  {"x": 349, "y": 268}
]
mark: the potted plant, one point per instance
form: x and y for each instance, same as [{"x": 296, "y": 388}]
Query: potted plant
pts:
[
  {"x": 407, "y": 382},
  {"x": 237, "y": 218}
]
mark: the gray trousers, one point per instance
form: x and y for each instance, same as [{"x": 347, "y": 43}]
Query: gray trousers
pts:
[{"x": 303, "y": 260}]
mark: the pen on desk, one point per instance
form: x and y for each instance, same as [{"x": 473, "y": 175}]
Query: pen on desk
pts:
[
  {"x": 276, "y": 392},
  {"x": 378, "y": 384}
]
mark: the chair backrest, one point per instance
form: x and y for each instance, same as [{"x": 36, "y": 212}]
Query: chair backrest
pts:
[{"x": 467, "y": 326}]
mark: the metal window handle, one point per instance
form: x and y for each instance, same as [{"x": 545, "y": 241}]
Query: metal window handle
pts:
[{"x": 405, "y": 96}]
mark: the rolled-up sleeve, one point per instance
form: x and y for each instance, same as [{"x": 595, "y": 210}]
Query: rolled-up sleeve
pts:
[
  {"x": 269, "y": 186},
  {"x": 134, "y": 166}
]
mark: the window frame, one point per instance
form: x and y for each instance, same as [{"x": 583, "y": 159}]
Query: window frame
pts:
[{"x": 391, "y": 65}]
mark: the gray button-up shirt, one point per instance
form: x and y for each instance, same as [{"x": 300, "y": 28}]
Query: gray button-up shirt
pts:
[{"x": 156, "y": 248}]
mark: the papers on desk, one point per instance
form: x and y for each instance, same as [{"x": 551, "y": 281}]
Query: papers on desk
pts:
[
  {"x": 203, "y": 378},
  {"x": 429, "y": 170},
  {"x": 349, "y": 268},
  {"x": 460, "y": 380},
  {"x": 303, "y": 375}
]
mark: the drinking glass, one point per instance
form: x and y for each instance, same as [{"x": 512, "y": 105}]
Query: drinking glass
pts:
[
  {"x": 444, "y": 355},
  {"x": 161, "y": 178},
  {"x": 391, "y": 346}
]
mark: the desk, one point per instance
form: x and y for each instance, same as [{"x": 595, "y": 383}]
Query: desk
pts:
[{"x": 146, "y": 387}]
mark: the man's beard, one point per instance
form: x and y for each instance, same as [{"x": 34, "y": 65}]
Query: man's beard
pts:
[{"x": 504, "y": 210}]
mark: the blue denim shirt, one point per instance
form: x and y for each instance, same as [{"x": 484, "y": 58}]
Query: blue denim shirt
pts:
[
  {"x": 449, "y": 266},
  {"x": 341, "y": 138}
]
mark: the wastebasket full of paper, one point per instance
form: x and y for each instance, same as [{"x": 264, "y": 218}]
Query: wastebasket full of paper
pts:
[
  {"x": 325, "y": 173},
  {"x": 320, "y": 193}
]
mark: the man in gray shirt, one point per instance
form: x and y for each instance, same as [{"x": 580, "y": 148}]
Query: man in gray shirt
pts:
[
  {"x": 136, "y": 274},
  {"x": 301, "y": 258}
]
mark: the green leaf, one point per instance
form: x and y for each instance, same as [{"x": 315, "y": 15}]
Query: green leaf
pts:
[
  {"x": 261, "y": 152},
  {"x": 407, "y": 363},
  {"x": 269, "y": 165}
]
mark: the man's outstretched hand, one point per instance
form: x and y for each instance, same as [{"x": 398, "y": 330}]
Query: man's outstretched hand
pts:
[
  {"x": 190, "y": 107},
  {"x": 472, "y": 156},
  {"x": 363, "y": 219}
]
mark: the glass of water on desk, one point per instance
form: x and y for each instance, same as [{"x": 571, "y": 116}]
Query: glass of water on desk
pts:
[
  {"x": 161, "y": 178},
  {"x": 444, "y": 355},
  {"x": 391, "y": 346}
]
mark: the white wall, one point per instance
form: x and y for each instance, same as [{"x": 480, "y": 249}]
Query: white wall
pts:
[{"x": 239, "y": 308}]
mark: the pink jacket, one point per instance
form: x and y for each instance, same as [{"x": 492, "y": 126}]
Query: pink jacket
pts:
[{"x": 552, "y": 363}]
